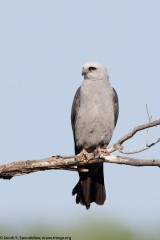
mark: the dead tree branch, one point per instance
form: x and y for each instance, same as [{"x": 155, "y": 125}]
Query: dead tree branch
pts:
[
  {"x": 118, "y": 145},
  {"x": 10, "y": 170}
]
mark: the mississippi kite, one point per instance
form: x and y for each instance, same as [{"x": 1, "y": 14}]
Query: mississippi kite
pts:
[{"x": 94, "y": 116}]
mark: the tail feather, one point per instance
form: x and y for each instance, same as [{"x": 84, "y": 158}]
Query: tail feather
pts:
[{"x": 90, "y": 187}]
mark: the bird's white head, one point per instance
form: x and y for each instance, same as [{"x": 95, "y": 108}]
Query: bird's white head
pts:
[{"x": 94, "y": 71}]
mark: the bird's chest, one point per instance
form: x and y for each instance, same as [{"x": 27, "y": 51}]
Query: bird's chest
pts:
[
  {"x": 95, "y": 116},
  {"x": 95, "y": 102}
]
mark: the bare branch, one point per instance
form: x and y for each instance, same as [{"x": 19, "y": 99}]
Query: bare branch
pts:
[
  {"x": 70, "y": 163},
  {"x": 131, "y": 161},
  {"x": 7, "y": 171},
  {"x": 141, "y": 149},
  {"x": 133, "y": 152},
  {"x": 118, "y": 145},
  {"x": 149, "y": 116},
  {"x": 10, "y": 170},
  {"x": 149, "y": 120}
]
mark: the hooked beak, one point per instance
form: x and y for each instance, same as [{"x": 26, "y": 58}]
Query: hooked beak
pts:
[{"x": 83, "y": 72}]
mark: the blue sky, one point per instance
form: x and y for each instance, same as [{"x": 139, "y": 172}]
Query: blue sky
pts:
[{"x": 43, "y": 46}]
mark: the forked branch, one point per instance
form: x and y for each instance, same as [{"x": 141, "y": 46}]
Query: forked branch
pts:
[
  {"x": 10, "y": 170},
  {"x": 118, "y": 145}
]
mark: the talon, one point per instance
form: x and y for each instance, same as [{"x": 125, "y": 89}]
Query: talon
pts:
[
  {"x": 99, "y": 151},
  {"x": 96, "y": 153},
  {"x": 81, "y": 156}
]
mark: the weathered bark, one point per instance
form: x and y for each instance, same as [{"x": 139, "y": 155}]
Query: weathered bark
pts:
[{"x": 10, "y": 170}]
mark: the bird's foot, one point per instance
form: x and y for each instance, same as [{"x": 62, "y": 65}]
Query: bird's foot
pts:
[
  {"x": 83, "y": 155},
  {"x": 99, "y": 151}
]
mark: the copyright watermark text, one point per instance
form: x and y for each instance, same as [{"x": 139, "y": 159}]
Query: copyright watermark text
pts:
[{"x": 35, "y": 238}]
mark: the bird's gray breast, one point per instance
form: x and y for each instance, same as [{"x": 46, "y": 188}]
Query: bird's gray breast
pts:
[{"x": 95, "y": 118}]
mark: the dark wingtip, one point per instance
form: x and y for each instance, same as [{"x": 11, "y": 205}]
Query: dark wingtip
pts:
[
  {"x": 87, "y": 206},
  {"x": 6, "y": 176},
  {"x": 76, "y": 188},
  {"x": 77, "y": 199}
]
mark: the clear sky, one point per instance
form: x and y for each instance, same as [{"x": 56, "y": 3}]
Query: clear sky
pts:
[{"x": 43, "y": 46}]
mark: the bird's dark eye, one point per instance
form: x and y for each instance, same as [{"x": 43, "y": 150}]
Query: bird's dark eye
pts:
[{"x": 92, "y": 69}]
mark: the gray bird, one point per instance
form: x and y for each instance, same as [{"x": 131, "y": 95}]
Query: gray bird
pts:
[{"x": 94, "y": 116}]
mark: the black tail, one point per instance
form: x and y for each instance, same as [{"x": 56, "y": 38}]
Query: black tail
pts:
[{"x": 90, "y": 187}]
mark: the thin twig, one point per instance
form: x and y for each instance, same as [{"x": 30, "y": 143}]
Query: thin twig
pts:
[
  {"x": 141, "y": 149},
  {"x": 149, "y": 120},
  {"x": 149, "y": 116}
]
